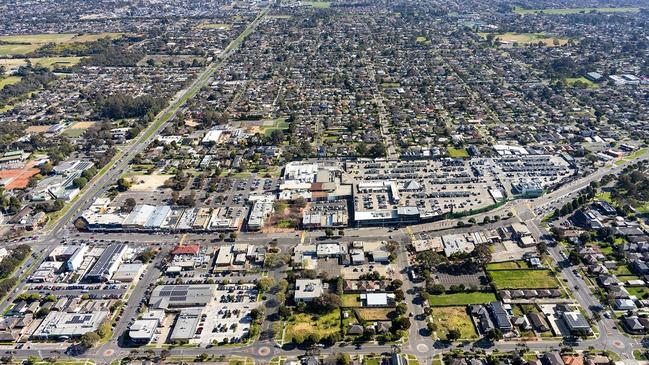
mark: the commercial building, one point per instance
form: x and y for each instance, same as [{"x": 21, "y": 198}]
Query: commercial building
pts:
[
  {"x": 307, "y": 289},
  {"x": 127, "y": 273},
  {"x": 186, "y": 324},
  {"x": 261, "y": 209},
  {"x": 170, "y": 297},
  {"x": 107, "y": 263},
  {"x": 63, "y": 325}
]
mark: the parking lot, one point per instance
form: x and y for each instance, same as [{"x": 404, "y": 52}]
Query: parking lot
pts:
[{"x": 228, "y": 315}]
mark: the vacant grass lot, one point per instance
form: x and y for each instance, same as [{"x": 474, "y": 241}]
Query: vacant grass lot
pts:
[
  {"x": 564, "y": 11},
  {"x": 463, "y": 299},
  {"x": 303, "y": 324},
  {"x": 520, "y": 264},
  {"x": 375, "y": 314},
  {"x": 448, "y": 318},
  {"x": 457, "y": 152},
  {"x": 523, "y": 279}
]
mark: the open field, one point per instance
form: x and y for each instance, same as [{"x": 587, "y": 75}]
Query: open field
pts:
[
  {"x": 148, "y": 182},
  {"x": 318, "y": 4},
  {"x": 56, "y": 37},
  {"x": 443, "y": 300},
  {"x": 9, "y": 80},
  {"x": 17, "y": 49},
  {"x": 375, "y": 314},
  {"x": 457, "y": 152},
  {"x": 576, "y": 81},
  {"x": 523, "y": 279},
  {"x": 37, "y": 128},
  {"x": 215, "y": 26},
  {"x": 304, "y": 324},
  {"x": 269, "y": 126},
  {"x": 526, "y": 38},
  {"x": 48, "y": 62},
  {"x": 77, "y": 129},
  {"x": 564, "y": 11},
  {"x": 449, "y": 318}
]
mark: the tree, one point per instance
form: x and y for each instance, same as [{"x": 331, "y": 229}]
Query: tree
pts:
[
  {"x": 378, "y": 150},
  {"x": 123, "y": 184},
  {"x": 453, "y": 334},
  {"x": 326, "y": 303},
  {"x": 329, "y": 232},
  {"x": 233, "y": 236},
  {"x": 89, "y": 339},
  {"x": 146, "y": 255},
  {"x": 79, "y": 182},
  {"x": 264, "y": 283},
  {"x": 400, "y": 323}
]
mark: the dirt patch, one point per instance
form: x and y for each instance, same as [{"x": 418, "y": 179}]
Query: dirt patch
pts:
[
  {"x": 37, "y": 128},
  {"x": 81, "y": 125},
  {"x": 148, "y": 182}
]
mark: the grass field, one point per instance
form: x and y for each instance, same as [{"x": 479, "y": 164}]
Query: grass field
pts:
[
  {"x": 279, "y": 123},
  {"x": 443, "y": 300},
  {"x": 57, "y": 38},
  {"x": 457, "y": 152},
  {"x": 507, "y": 265},
  {"x": 16, "y": 49},
  {"x": 374, "y": 314},
  {"x": 564, "y": 11},
  {"x": 523, "y": 279},
  {"x": 27, "y": 43},
  {"x": 48, "y": 62},
  {"x": 215, "y": 26},
  {"x": 575, "y": 81},
  {"x": 305, "y": 324},
  {"x": 526, "y": 38},
  {"x": 641, "y": 292},
  {"x": 318, "y": 4},
  {"x": 9, "y": 80},
  {"x": 448, "y": 318},
  {"x": 351, "y": 300}
]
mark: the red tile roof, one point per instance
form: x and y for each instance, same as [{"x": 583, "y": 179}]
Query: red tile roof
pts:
[{"x": 186, "y": 250}]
